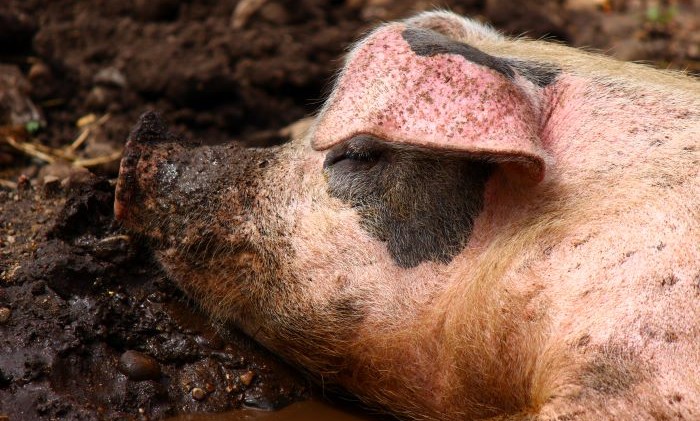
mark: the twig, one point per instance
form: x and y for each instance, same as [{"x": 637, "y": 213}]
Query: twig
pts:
[
  {"x": 7, "y": 183},
  {"x": 29, "y": 149},
  {"x": 85, "y": 133},
  {"x": 79, "y": 140},
  {"x": 51, "y": 155},
  {"x": 93, "y": 162},
  {"x": 243, "y": 11}
]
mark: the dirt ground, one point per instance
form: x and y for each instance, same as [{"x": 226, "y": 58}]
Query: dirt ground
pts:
[{"x": 90, "y": 328}]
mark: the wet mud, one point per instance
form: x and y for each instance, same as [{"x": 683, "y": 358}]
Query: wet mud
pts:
[{"x": 91, "y": 329}]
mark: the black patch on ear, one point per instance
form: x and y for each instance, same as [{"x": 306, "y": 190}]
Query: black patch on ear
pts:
[
  {"x": 421, "y": 203},
  {"x": 426, "y": 42}
]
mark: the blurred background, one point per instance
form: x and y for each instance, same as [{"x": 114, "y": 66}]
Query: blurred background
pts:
[{"x": 77, "y": 72}]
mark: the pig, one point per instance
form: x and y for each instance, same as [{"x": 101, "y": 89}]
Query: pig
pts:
[{"x": 473, "y": 227}]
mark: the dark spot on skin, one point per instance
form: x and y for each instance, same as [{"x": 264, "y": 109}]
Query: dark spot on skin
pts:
[
  {"x": 347, "y": 310},
  {"x": 670, "y": 337},
  {"x": 428, "y": 43},
  {"x": 669, "y": 280},
  {"x": 612, "y": 371},
  {"x": 583, "y": 341},
  {"x": 648, "y": 332},
  {"x": 421, "y": 203},
  {"x": 675, "y": 398}
]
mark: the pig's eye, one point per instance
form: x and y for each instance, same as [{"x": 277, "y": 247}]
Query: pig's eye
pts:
[
  {"x": 361, "y": 152},
  {"x": 363, "y": 156}
]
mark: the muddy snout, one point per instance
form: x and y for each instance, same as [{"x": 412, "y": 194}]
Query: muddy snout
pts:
[{"x": 173, "y": 190}]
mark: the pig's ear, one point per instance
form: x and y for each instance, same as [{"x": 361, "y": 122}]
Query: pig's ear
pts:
[{"x": 414, "y": 86}]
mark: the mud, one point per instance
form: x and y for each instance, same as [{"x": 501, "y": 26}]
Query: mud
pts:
[
  {"x": 90, "y": 328},
  {"x": 95, "y": 331}
]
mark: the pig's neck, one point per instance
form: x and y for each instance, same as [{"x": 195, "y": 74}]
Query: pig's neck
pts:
[{"x": 465, "y": 343}]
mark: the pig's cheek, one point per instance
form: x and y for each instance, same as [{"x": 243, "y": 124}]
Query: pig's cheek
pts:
[{"x": 329, "y": 246}]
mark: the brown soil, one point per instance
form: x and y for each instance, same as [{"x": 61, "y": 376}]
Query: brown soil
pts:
[{"x": 89, "y": 326}]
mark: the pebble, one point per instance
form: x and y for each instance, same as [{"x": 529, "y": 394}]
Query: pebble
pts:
[
  {"x": 198, "y": 393},
  {"x": 5, "y": 313},
  {"x": 247, "y": 378},
  {"x": 39, "y": 71},
  {"x": 110, "y": 76},
  {"x": 138, "y": 366}
]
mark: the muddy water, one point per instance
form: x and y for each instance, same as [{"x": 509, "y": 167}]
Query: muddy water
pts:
[{"x": 301, "y": 411}]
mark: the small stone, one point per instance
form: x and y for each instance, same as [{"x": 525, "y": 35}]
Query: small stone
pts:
[
  {"x": 39, "y": 71},
  {"x": 247, "y": 378},
  {"x": 5, "y": 313},
  {"x": 138, "y": 366},
  {"x": 110, "y": 76},
  {"x": 99, "y": 97},
  {"x": 198, "y": 393}
]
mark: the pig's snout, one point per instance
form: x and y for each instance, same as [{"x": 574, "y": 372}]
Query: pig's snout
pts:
[
  {"x": 177, "y": 192},
  {"x": 150, "y": 170},
  {"x": 136, "y": 171}
]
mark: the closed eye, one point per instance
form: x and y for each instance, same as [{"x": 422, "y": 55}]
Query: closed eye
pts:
[{"x": 360, "y": 152}]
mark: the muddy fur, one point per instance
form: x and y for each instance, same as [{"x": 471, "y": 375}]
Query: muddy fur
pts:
[{"x": 568, "y": 296}]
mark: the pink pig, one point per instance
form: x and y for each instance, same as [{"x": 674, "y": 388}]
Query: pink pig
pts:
[{"x": 473, "y": 227}]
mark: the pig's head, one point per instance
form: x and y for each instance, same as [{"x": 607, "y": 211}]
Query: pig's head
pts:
[{"x": 332, "y": 248}]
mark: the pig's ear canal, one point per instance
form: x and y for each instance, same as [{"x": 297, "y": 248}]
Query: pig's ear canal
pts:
[{"x": 422, "y": 204}]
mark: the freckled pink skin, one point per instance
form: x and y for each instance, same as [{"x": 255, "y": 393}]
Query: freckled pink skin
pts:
[{"x": 444, "y": 102}]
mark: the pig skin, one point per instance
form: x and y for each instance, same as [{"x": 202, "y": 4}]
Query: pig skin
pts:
[{"x": 577, "y": 295}]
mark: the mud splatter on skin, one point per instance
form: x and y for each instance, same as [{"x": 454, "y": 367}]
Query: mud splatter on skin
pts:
[{"x": 613, "y": 371}]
